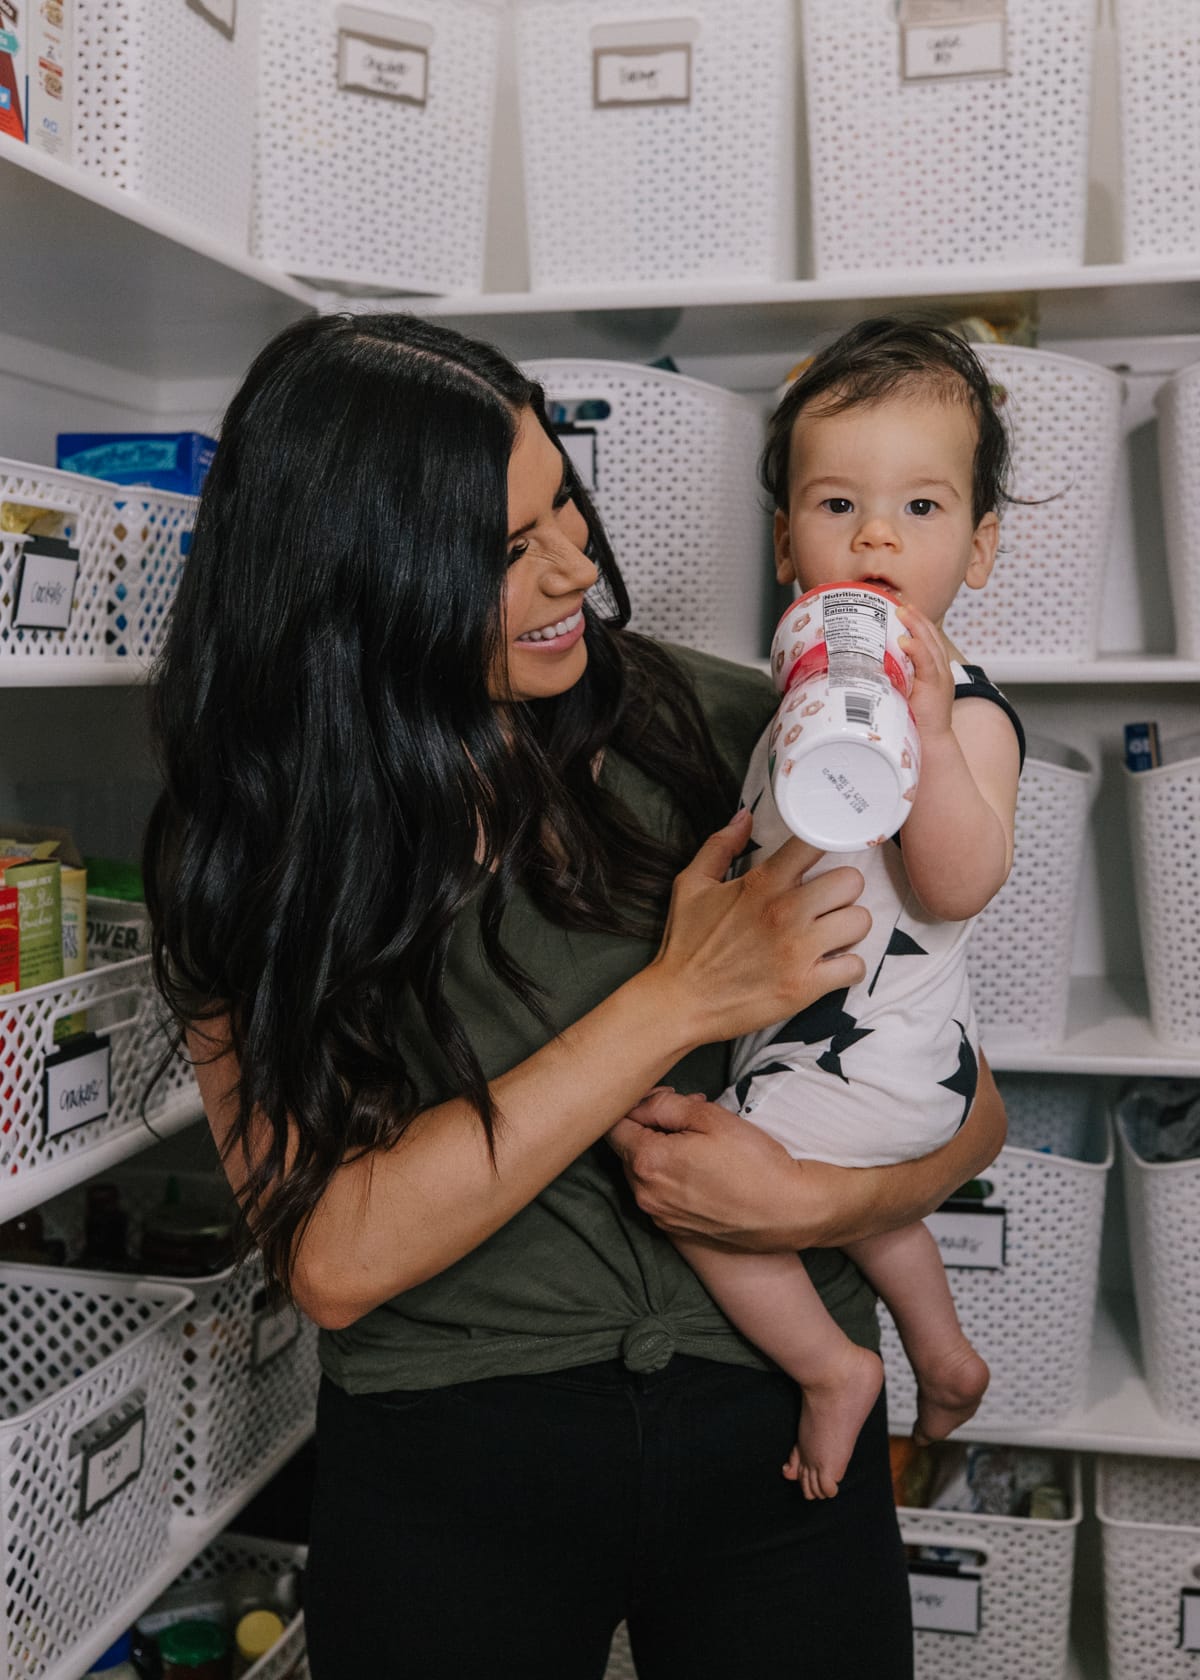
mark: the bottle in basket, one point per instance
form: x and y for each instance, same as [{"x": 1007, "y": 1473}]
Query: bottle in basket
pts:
[{"x": 845, "y": 755}]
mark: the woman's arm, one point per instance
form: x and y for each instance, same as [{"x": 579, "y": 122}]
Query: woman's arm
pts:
[
  {"x": 735, "y": 956},
  {"x": 709, "y": 1173}
]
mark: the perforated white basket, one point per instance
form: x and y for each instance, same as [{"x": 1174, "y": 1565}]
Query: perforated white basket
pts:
[
  {"x": 88, "y": 1397},
  {"x": 164, "y": 105},
  {"x": 1149, "y": 1511},
  {"x": 675, "y": 484},
  {"x": 1019, "y": 955},
  {"x": 1024, "y": 1598},
  {"x": 248, "y": 1369},
  {"x": 132, "y": 543},
  {"x": 1178, "y": 404},
  {"x": 1158, "y": 45},
  {"x": 233, "y": 1552},
  {"x": 37, "y": 1140},
  {"x": 1163, "y": 1203},
  {"x": 701, "y": 187},
  {"x": 1044, "y": 595},
  {"x": 356, "y": 187},
  {"x": 1164, "y": 822},
  {"x": 1032, "y": 1318},
  {"x": 986, "y": 170}
]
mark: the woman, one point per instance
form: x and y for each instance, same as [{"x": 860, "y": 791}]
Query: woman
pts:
[{"x": 420, "y": 899}]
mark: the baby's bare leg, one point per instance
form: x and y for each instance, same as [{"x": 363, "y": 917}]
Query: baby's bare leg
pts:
[
  {"x": 771, "y": 1299},
  {"x": 905, "y": 1268}
]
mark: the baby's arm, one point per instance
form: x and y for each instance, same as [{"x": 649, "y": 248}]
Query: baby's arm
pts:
[{"x": 958, "y": 841}]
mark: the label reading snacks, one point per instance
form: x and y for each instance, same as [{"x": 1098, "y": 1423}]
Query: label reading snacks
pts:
[
  {"x": 273, "y": 1330},
  {"x": 944, "y": 1603},
  {"x": 383, "y": 56},
  {"x": 969, "y": 1236},
  {"x": 222, "y": 14},
  {"x": 77, "y": 1084},
  {"x": 111, "y": 1461},
  {"x": 949, "y": 39}
]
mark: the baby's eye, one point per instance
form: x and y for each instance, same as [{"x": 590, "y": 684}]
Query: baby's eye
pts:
[
  {"x": 838, "y": 504},
  {"x": 921, "y": 505}
]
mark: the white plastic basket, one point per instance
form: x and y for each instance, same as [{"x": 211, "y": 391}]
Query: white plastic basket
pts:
[
  {"x": 698, "y": 188},
  {"x": 1019, "y": 956},
  {"x": 1149, "y": 1511},
  {"x": 961, "y": 172},
  {"x": 1044, "y": 595},
  {"x": 357, "y": 186},
  {"x": 675, "y": 483},
  {"x": 38, "y": 1145},
  {"x": 1164, "y": 821},
  {"x": 248, "y": 1369},
  {"x": 1158, "y": 45},
  {"x": 1163, "y": 1204},
  {"x": 1178, "y": 404},
  {"x": 89, "y": 1379},
  {"x": 1031, "y": 1319},
  {"x": 165, "y": 105},
  {"x": 1024, "y": 1596},
  {"x": 132, "y": 543},
  {"x": 620, "y": 1657},
  {"x": 232, "y": 1552}
]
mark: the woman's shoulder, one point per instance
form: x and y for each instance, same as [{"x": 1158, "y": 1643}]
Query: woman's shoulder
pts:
[{"x": 737, "y": 700}]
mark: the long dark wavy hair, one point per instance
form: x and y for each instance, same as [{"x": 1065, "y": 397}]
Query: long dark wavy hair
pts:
[{"x": 338, "y": 784}]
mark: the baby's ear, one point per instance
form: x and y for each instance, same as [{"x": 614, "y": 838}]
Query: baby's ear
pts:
[
  {"x": 983, "y": 551},
  {"x": 785, "y": 570}
]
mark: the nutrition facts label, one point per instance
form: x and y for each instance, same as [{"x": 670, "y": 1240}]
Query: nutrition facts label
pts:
[{"x": 855, "y": 622}]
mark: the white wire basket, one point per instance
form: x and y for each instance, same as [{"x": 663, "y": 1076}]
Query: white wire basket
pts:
[
  {"x": 132, "y": 544},
  {"x": 374, "y": 140},
  {"x": 1024, "y": 1567},
  {"x": 248, "y": 1366},
  {"x": 1158, "y": 57},
  {"x": 1019, "y": 955},
  {"x": 1163, "y": 1204},
  {"x": 164, "y": 105},
  {"x": 1178, "y": 404},
  {"x": 659, "y": 141},
  {"x": 230, "y": 1553},
  {"x": 672, "y": 471},
  {"x": 1149, "y": 1511},
  {"x": 1030, "y": 1317},
  {"x": 1044, "y": 596},
  {"x": 1164, "y": 820},
  {"x": 89, "y": 1383},
  {"x": 40, "y": 1138},
  {"x": 985, "y": 170}
]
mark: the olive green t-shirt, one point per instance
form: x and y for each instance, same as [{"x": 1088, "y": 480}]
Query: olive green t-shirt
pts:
[{"x": 581, "y": 1274}]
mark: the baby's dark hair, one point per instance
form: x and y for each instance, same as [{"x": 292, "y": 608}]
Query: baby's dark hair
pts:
[{"x": 874, "y": 360}]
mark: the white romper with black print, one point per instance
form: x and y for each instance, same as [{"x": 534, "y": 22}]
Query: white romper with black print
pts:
[{"x": 886, "y": 1070}]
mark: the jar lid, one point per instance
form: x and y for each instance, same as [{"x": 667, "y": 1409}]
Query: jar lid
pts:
[
  {"x": 188, "y": 1644},
  {"x": 257, "y": 1631}
]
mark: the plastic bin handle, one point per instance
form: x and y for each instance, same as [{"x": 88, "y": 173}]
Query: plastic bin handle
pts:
[{"x": 134, "y": 1020}]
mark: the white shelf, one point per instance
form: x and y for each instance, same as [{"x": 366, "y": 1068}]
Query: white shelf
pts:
[
  {"x": 1108, "y": 1032},
  {"x": 188, "y": 1538},
  {"x": 31, "y": 1188},
  {"x": 72, "y": 673},
  {"x": 88, "y": 270}
]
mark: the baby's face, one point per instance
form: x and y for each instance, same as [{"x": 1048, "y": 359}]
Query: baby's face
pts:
[{"x": 882, "y": 495}]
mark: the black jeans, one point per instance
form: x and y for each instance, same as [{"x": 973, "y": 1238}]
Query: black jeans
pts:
[{"x": 499, "y": 1530}]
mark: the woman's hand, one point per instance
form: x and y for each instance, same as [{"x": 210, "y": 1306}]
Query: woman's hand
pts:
[
  {"x": 699, "y": 1170},
  {"x": 741, "y": 954}
]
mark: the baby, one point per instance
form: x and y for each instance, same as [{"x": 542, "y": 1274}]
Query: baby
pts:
[{"x": 886, "y": 460}]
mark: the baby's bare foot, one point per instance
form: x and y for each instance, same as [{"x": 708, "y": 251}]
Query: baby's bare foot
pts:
[
  {"x": 949, "y": 1389},
  {"x": 831, "y": 1414}
]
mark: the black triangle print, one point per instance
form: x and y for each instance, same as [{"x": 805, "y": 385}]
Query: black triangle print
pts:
[{"x": 901, "y": 944}]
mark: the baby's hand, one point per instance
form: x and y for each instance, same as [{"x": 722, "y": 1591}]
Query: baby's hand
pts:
[{"x": 932, "y": 697}]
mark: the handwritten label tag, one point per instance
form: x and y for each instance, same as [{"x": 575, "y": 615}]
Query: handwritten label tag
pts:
[
  {"x": 273, "y": 1330},
  {"x": 380, "y": 62},
  {"x": 641, "y": 75},
  {"x": 951, "y": 39},
  {"x": 944, "y": 1603},
  {"x": 222, "y": 14},
  {"x": 112, "y": 1462},
  {"x": 1189, "y": 1619},
  {"x": 579, "y": 445},
  {"x": 77, "y": 1084},
  {"x": 45, "y": 591},
  {"x": 969, "y": 1235}
]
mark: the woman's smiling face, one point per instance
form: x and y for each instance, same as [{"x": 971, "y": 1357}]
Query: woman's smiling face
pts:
[{"x": 548, "y": 573}]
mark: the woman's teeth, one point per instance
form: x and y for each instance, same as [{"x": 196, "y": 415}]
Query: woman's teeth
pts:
[{"x": 552, "y": 631}]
